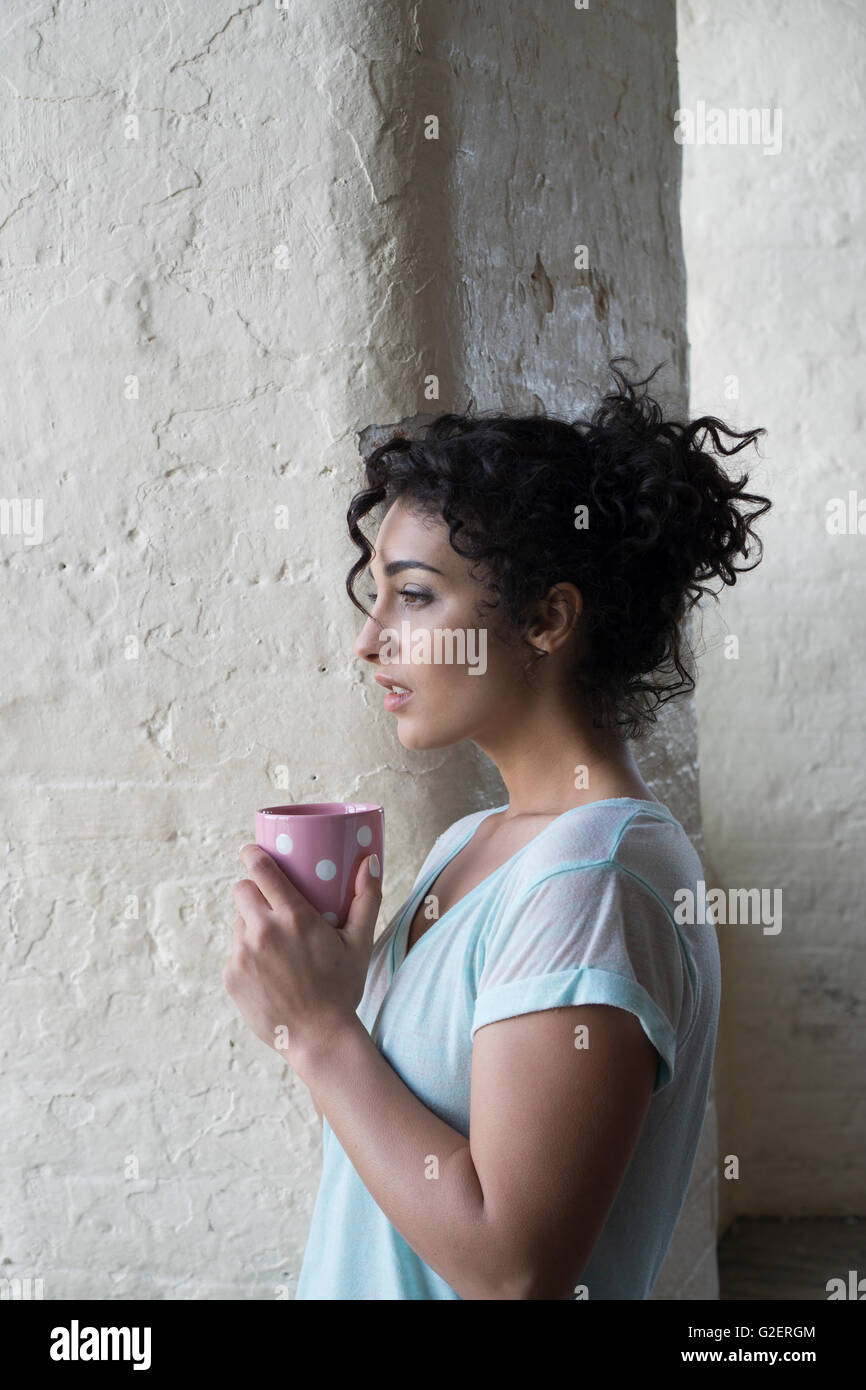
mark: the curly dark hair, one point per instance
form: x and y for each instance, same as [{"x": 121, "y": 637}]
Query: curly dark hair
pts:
[{"x": 662, "y": 518}]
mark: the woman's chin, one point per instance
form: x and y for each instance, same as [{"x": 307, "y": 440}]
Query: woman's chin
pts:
[
  {"x": 410, "y": 738},
  {"x": 419, "y": 738}
]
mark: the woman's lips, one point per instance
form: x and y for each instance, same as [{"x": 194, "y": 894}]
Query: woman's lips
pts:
[{"x": 396, "y": 699}]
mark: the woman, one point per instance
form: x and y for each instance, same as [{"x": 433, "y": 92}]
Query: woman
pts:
[{"x": 513, "y": 1078}]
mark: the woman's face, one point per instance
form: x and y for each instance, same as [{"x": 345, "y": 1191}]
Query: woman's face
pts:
[{"x": 424, "y": 635}]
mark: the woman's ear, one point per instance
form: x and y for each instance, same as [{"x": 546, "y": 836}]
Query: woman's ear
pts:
[{"x": 557, "y": 617}]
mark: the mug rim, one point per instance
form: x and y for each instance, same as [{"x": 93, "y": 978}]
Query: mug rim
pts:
[{"x": 322, "y": 810}]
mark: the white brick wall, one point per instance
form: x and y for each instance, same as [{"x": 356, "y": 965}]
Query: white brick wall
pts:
[
  {"x": 170, "y": 376},
  {"x": 774, "y": 248}
]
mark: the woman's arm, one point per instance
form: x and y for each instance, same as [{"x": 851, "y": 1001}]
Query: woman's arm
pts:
[
  {"x": 513, "y": 1212},
  {"x": 415, "y": 1166},
  {"x": 553, "y": 1128}
]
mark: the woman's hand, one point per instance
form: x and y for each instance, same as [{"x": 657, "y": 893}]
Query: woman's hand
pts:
[{"x": 296, "y": 979}]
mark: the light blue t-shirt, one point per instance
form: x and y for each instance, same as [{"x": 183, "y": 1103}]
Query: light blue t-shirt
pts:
[{"x": 583, "y": 914}]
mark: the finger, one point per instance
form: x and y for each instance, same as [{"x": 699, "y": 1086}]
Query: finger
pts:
[
  {"x": 234, "y": 964},
  {"x": 239, "y": 948},
  {"x": 361, "y": 921},
  {"x": 275, "y": 887},
  {"x": 249, "y": 900}
]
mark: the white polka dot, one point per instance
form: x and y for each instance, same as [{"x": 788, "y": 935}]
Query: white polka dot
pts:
[
  {"x": 326, "y": 868},
  {"x": 365, "y": 835},
  {"x": 284, "y": 844},
  {"x": 331, "y": 917}
]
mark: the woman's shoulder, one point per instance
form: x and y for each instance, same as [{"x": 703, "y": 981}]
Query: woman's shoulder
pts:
[
  {"x": 598, "y": 828},
  {"x": 643, "y": 839}
]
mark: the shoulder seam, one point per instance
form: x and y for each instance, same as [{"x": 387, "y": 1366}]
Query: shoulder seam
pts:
[
  {"x": 609, "y": 862},
  {"x": 615, "y": 864}
]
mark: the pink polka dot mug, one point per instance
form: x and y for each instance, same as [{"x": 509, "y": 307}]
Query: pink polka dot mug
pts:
[{"x": 320, "y": 845}]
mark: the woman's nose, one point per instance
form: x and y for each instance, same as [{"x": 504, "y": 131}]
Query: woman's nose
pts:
[{"x": 369, "y": 640}]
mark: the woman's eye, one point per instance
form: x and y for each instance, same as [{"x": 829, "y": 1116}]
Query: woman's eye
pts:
[{"x": 410, "y": 597}]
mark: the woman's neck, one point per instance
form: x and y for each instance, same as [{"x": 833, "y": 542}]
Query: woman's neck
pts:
[{"x": 557, "y": 760}]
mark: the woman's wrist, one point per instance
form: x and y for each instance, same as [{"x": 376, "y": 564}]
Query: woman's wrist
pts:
[{"x": 314, "y": 1053}]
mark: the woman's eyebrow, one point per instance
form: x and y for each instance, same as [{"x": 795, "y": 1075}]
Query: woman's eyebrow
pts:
[{"x": 395, "y": 566}]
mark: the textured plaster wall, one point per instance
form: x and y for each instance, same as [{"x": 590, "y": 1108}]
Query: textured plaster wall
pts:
[
  {"x": 226, "y": 250},
  {"x": 774, "y": 248}
]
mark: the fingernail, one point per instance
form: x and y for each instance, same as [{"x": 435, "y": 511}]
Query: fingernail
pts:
[{"x": 375, "y": 869}]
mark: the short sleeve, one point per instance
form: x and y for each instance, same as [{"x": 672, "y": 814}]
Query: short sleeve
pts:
[{"x": 586, "y": 934}]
